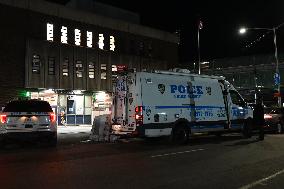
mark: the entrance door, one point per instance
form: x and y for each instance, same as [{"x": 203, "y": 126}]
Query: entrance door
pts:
[
  {"x": 71, "y": 110},
  {"x": 238, "y": 111}
]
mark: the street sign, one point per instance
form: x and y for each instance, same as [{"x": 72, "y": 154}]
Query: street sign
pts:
[{"x": 276, "y": 78}]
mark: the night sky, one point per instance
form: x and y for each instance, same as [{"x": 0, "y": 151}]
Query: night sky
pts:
[{"x": 219, "y": 37}]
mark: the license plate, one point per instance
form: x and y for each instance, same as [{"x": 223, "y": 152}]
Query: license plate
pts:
[{"x": 28, "y": 126}]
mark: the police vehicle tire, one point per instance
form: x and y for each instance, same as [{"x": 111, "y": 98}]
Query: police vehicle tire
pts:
[
  {"x": 279, "y": 128},
  {"x": 180, "y": 134},
  {"x": 247, "y": 130}
]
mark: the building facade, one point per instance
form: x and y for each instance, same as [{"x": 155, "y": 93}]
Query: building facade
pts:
[
  {"x": 70, "y": 57},
  {"x": 251, "y": 75}
]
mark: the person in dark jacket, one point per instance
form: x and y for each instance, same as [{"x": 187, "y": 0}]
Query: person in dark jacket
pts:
[{"x": 258, "y": 116}]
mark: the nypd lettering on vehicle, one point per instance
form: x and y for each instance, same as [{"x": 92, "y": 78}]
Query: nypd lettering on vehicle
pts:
[{"x": 182, "y": 91}]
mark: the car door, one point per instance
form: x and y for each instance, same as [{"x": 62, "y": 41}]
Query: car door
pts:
[{"x": 238, "y": 110}]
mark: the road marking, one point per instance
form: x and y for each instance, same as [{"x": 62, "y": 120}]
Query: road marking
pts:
[
  {"x": 261, "y": 181},
  {"x": 175, "y": 153}
]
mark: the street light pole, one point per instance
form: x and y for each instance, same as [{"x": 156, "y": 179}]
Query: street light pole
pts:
[
  {"x": 198, "y": 46},
  {"x": 243, "y": 30},
  {"x": 277, "y": 66}
]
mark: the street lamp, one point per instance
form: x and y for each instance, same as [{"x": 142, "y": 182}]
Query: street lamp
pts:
[
  {"x": 243, "y": 30},
  {"x": 277, "y": 73}
]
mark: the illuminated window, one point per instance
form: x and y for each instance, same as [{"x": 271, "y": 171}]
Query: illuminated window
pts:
[
  {"x": 114, "y": 71},
  {"x": 101, "y": 41},
  {"x": 89, "y": 39},
  {"x": 65, "y": 67},
  {"x": 141, "y": 48},
  {"x": 103, "y": 71},
  {"x": 64, "y": 37},
  {"x": 91, "y": 70},
  {"x": 51, "y": 66},
  {"x": 79, "y": 68},
  {"x": 150, "y": 49},
  {"x": 77, "y": 37},
  {"x": 36, "y": 64},
  {"x": 111, "y": 43},
  {"x": 49, "y": 32}
]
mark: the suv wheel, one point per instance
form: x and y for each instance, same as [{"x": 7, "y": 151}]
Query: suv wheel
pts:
[
  {"x": 2, "y": 143},
  {"x": 52, "y": 141}
]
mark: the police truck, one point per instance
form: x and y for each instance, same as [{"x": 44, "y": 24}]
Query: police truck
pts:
[{"x": 177, "y": 104}]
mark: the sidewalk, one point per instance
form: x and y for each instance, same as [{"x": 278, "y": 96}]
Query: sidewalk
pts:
[
  {"x": 73, "y": 134},
  {"x": 74, "y": 129}
]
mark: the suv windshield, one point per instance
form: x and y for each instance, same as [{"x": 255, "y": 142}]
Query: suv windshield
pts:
[{"x": 28, "y": 106}]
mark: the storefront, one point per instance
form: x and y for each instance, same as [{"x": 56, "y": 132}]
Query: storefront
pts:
[{"x": 75, "y": 107}]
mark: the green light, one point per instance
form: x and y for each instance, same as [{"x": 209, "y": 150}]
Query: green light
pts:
[
  {"x": 28, "y": 94},
  {"x": 25, "y": 94}
]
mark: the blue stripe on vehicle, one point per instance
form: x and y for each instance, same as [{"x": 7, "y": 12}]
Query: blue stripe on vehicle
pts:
[
  {"x": 173, "y": 107},
  {"x": 211, "y": 126},
  {"x": 236, "y": 126}
]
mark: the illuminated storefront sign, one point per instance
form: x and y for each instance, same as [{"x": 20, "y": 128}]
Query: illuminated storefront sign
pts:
[
  {"x": 78, "y": 37},
  {"x": 101, "y": 41},
  {"x": 111, "y": 43},
  {"x": 49, "y": 32},
  {"x": 89, "y": 39},
  {"x": 64, "y": 37}
]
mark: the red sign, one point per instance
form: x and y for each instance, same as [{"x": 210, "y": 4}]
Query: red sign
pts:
[{"x": 121, "y": 67}]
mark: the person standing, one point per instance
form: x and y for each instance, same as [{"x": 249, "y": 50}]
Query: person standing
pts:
[{"x": 258, "y": 116}]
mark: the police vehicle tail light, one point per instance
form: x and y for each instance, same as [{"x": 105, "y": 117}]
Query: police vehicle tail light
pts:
[
  {"x": 52, "y": 117},
  {"x": 3, "y": 118},
  {"x": 267, "y": 116},
  {"x": 139, "y": 115}
]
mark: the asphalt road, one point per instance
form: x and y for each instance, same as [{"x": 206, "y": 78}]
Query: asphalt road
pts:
[{"x": 207, "y": 162}]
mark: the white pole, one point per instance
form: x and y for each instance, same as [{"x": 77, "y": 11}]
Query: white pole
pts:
[
  {"x": 199, "y": 69},
  {"x": 277, "y": 66}
]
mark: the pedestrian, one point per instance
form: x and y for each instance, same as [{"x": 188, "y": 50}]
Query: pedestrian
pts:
[{"x": 258, "y": 116}]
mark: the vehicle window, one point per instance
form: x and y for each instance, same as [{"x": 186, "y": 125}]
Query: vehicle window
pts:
[
  {"x": 236, "y": 98},
  {"x": 28, "y": 106}
]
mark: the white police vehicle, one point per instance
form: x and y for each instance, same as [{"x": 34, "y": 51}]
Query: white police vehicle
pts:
[
  {"x": 165, "y": 103},
  {"x": 28, "y": 119}
]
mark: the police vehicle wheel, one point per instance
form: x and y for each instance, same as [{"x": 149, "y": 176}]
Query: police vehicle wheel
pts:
[
  {"x": 180, "y": 134},
  {"x": 279, "y": 128},
  {"x": 247, "y": 130}
]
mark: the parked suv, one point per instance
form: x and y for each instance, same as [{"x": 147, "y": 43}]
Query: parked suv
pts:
[
  {"x": 28, "y": 119},
  {"x": 274, "y": 119}
]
